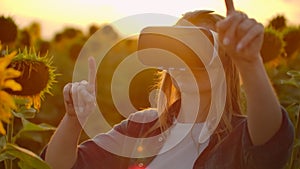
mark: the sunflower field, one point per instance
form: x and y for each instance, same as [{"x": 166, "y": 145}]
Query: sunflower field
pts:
[{"x": 33, "y": 72}]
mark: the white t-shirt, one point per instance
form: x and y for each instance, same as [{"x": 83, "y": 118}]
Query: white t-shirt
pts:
[{"x": 181, "y": 148}]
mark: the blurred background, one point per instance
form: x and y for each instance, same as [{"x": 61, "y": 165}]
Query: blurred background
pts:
[{"x": 60, "y": 28}]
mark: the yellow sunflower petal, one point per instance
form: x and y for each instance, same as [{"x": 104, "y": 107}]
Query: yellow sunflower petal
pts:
[
  {"x": 5, "y": 61},
  {"x": 5, "y": 114},
  {"x": 2, "y": 79},
  {"x": 37, "y": 102},
  {"x": 2, "y": 130},
  {"x": 6, "y": 99},
  {"x": 11, "y": 73},
  {"x": 13, "y": 85}
]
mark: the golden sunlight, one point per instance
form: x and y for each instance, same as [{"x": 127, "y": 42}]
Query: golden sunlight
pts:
[{"x": 82, "y": 13}]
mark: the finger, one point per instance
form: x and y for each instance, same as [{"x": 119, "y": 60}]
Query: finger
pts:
[
  {"x": 225, "y": 24},
  {"x": 228, "y": 31},
  {"x": 92, "y": 72},
  {"x": 74, "y": 94},
  {"x": 84, "y": 82},
  {"x": 68, "y": 101},
  {"x": 67, "y": 92},
  {"x": 229, "y": 6},
  {"x": 254, "y": 32},
  {"x": 245, "y": 26},
  {"x": 81, "y": 99},
  {"x": 85, "y": 94},
  {"x": 89, "y": 100}
]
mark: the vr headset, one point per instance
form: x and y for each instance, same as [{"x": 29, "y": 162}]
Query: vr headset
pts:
[{"x": 177, "y": 47}]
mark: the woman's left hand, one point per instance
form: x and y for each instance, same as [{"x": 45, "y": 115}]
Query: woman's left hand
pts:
[{"x": 241, "y": 37}]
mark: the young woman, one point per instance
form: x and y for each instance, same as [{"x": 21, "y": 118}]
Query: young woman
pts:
[{"x": 262, "y": 139}]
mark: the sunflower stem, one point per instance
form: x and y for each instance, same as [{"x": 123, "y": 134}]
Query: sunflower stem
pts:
[{"x": 9, "y": 137}]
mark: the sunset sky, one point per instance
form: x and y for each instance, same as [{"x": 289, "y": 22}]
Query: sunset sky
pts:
[{"x": 55, "y": 14}]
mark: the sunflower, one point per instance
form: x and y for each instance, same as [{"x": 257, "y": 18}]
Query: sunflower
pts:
[
  {"x": 37, "y": 77},
  {"x": 6, "y": 82}
]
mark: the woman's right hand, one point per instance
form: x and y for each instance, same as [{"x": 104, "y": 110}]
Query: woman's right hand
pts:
[
  {"x": 79, "y": 97},
  {"x": 80, "y": 101}
]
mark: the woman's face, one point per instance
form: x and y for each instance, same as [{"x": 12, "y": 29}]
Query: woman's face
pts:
[
  {"x": 194, "y": 77},
  {"x": 191, "y": 81}
]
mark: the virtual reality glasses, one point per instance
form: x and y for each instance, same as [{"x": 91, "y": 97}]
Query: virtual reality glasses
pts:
[{"x": 177, "y": 47}]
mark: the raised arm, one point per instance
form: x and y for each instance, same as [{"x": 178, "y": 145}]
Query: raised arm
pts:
[
  {"x": 79, "y": 99},
  {"x": 242, "y": 40}
]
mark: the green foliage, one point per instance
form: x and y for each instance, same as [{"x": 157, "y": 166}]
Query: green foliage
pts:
[
  {"x": 286, "y": 82},
  {"x": 284, "y": 72},
  {"x": 294, "y": 112},
  {"x": 272, "y": 45},
  {"x": 27, "y": 159},
  {"x": 31, "y": 127},
  {"x": 12, "y": 154},
  {"x": 291, "y": 36}
]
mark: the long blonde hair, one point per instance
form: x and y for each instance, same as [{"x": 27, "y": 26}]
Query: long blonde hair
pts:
[{"x": 169, "y": 96}]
